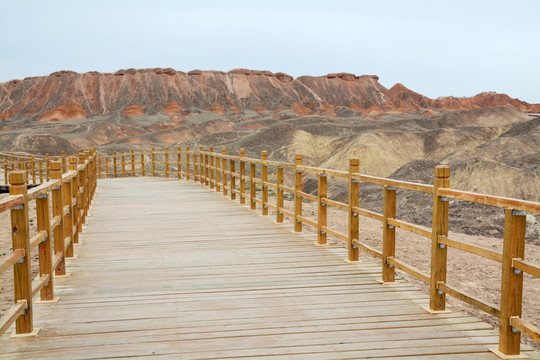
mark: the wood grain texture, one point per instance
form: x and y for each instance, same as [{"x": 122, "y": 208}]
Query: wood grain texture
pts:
[{"x": 238, "y": 287}]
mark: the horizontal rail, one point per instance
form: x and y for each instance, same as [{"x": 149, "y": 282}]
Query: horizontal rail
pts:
[
  {"x": 307, "y": 196},
  {"x": 11, "y": 315},
  {"x": 470, "y": 248},
  {"x": 55, "y": 221},
  {"x": 37, "y": 239},
  {"x": 367, "y": 249},
  {"x": 406, "y": 185},
  {"x": 492, "y": 200},
  {"x": 286, "y": 212},
  {"x": 334, "y": 233},
  {"x": 416, "y": 229},
  {"x": 308, "y": 221},
  {"x": 286, "y": 188},
  {"x": 328, "y": 172},
  {"x": 519, "y": 324},
  {"x": 11, "y": 259},
  {"x": 526, "y": 267},
  {"x": 40, "y": 283},
  {"x": 411, "y": 270},
  {"x": 42, "y": 189},
  {"x": 368, "y": 213},
  {"x": 337, "y": 204},
  {"x": 10, "y": 202},
  {"x": 469, "y": 299}
]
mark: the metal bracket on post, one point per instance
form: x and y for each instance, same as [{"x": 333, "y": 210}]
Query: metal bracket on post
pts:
[{"x": 519, "y": 213}]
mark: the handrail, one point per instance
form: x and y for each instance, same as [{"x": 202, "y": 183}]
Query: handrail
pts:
[
  {"x": 250, "y": 179},
  {"x": 70, "y": 192}
]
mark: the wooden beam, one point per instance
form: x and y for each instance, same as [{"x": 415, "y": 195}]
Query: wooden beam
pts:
[
  {"x": 322, "y": 214},
  {"x": 297, "y": 191},
  {"x": 12, "y": 314},
  {"x": 388, "y": 233},
  {"x": 264, "y": 179},
  {"x": 354, "y": 201}
]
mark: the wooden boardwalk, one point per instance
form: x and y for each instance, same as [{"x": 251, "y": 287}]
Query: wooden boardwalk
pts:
[{"x": 168, "y": 269}]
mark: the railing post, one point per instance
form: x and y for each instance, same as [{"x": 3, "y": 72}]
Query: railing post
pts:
[
  {"x": 56, "y": 174},
  {"x": 167, "y": 162},
  {"x": 83, "y": 182},
  {"x": 48, "y": 167},
  {"x": 202, "y": 168},
  {"x": 232, "y": 169},
  {"x": 114, "y": 159},
  {"x": 224, "y": 171},
  {"x": 212, "y": 177},
  {"x": 264, "y": 178},
  {"x": 99, "y": 166},
  {"x": 242, "y": 177},
  {"x": 45, "y": 249},
  {"x": 123, "y": 161},
  {"x": 20, "y": 237},
  {"x": 142, "y": 164},
  {"x": 389, "y": 233},
  {"x": 218, "y": 173},
  {"x": 207, "y": 170},
  {"x": 32, "y": 169},
  {"x": 195, "y": 167},
  {"x": 73, "y": 165},
  {"x": 252, "y": 186},
  {"x": 178, "y": 163},
  {"x": 297, "y": 191},
  {"x": 132, "y": 163},
  {"x": 322, "y": 212},
  {"x": 153, "y": 163},
  {"x": 512, "y": 281},
  {"x": 40, "y": 166},
  {"x": 68, "y": 217},
  {"x": 437, "y": 298},
  {"x": 6, "y": 180},
  {"x": 187, "y": 163},
  {"x": 354, "y": 201},
  {"x": 279, "y": 197}
]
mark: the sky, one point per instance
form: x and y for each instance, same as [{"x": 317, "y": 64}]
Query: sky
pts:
[{"x": 434, "y": 47}]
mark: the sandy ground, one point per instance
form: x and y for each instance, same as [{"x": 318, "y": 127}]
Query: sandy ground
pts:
[{"x": 472, "y": 274}]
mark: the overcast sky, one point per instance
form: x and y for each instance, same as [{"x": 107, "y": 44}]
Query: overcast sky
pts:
[{"x": 436, "y": 48}]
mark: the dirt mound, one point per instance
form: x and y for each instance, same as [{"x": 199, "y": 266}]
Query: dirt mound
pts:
[{"x": 39, "y": 144}]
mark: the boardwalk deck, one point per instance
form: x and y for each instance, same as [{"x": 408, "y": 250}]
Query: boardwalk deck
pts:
[{"x": 178, "y": 272}]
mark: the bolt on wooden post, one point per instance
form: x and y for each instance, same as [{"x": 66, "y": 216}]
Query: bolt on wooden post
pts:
[
  {"x": 354, "y": 202},
  {"x": 20, "y": 237},
  {"x": 437, "y": 299},
  {"x": 512, "y": 280},
  {"x": 242, "y": 177},
  {"x": 297, "y": 191},
  {"x": 389, "y": 233},
  {"x": 264, "y": 178},
  {"x": 322, "y": 209},
  {"x": 56, "y": 174}
]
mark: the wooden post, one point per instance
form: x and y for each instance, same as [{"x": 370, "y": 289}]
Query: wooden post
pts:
[
  {"x": 123, "y": 165},
  {"x": 208, "y": 171},
  {"x": 223, "y": 171},
  {"x": 252, "y": 186},
  {"x": 48, "y": 166},
  {"x": 297, "y": 190},
  {"x": 322, "y": 212},
  {"x": 99, "y": 166},
  {"x": 40, "y": 166},
  {"x": 6, "y": 166},
  {"x": 178, "y": 162},
  {"x": 437, "y": 299},
  {"x": 187, "y": 163},
  {"x": 82, "y": 181},
  {"x": 68, "y": 218},
  {"x": 167, "y": 162},
  {"x": 20, "y": 236},
  {"x": 389, "y": 233},
  {"x": 32, "y": 169},
  {"x": 202, "y": 169},
  {"x": 279, "y": 198},
  {"x": 218, "y": 173},
  {"x": 212, "y": 169},
  {"x": 354, "y": 201},
  {"x": 45, "y": 247},
  {"x": 114, "y": 163},
  {"x": 63, "y": 159},
  {"x": 195, "y": 167},
  {"x": 232, "y": 169},
  {"x": 242, "y": 177},
  {"x": 142, "y": 164},
  {"x": 106, "y": 175},
  {"x": 73, "y": 165},
  {"x": 264, "y": 178},
  {"x": 57, "y": 205},
  {"x": 132, "y": 163},
  {"x": 153, "y": 163},
  {"x": 512, "y": 280}
]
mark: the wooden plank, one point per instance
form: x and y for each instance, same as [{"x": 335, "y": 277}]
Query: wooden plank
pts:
[
  {"x": 310, "y": 222},
  {"x": 530, "y": 330},
  {"x": 37, "y": 239},
  {"x": 308, "y": 196},
  {"x": 470, "y": 248},
  {"x": 11, "y": 315},
  {"x": 368, "y": 213},
  {"x": 368, "y": 249},
  {"x": 428, "y": 189},
  {"x": 42, "y": 189},
  {"x": 335, "y": 233},
  {"x": 416, "y": 229},
  {"x": 10, "y": 202},
  {"x": 492, "y": 200},
  {"x": 39, "y": 284},
  {"x": 7, "y": 261},
  {"x": 471, "y": 300},
  {"x": 526, "y": 267},
  {"x": 337, "y": 204},
  {"x": 411, "y": 270}
]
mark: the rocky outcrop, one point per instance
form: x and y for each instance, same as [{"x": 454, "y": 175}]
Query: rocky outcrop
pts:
[{"x": 66, "y": 95}]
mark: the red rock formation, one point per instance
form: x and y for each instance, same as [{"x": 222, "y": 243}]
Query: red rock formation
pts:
[{"x": 67, "y": 95}]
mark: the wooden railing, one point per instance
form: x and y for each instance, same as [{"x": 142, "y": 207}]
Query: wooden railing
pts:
[
  {"x": 251, "y": 184},
  {"x": 62, "y": 201}
]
